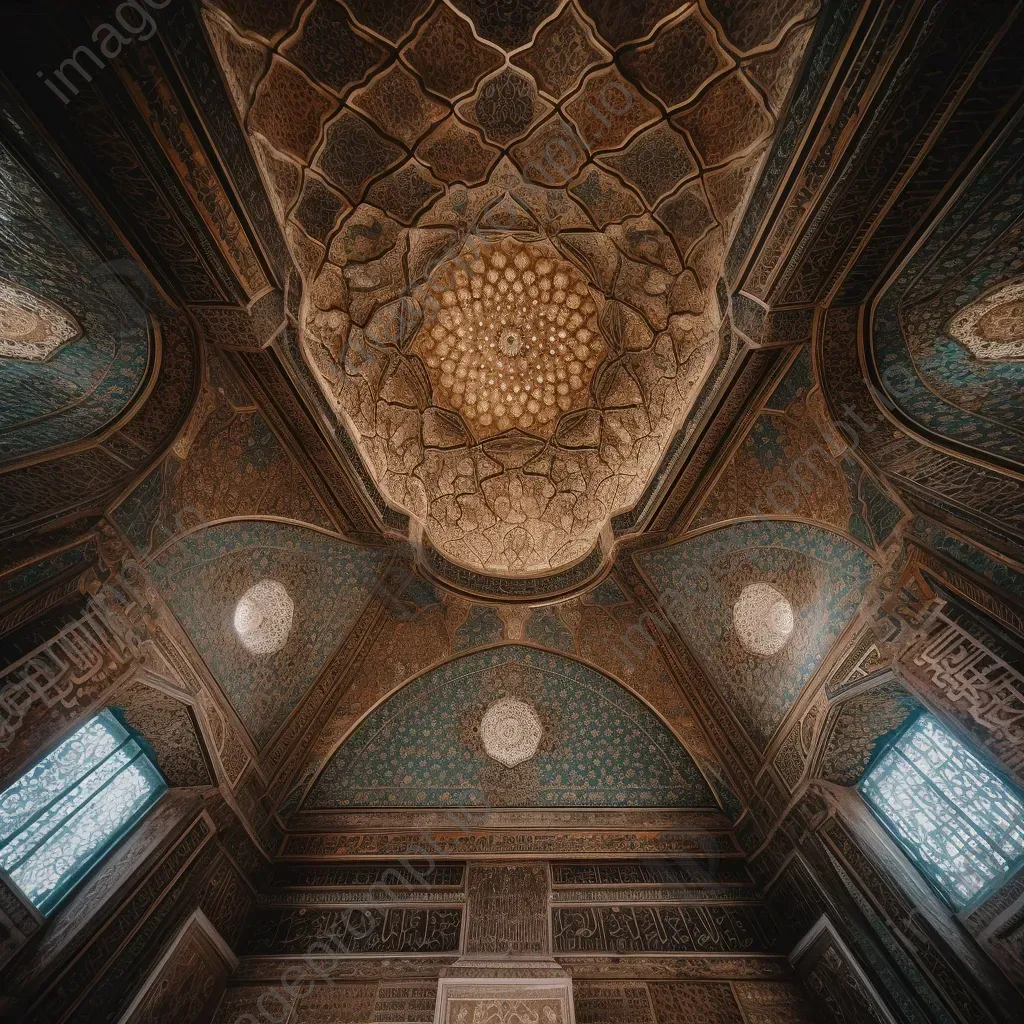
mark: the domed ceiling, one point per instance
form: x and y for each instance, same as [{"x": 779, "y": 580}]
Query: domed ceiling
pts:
[{"x": 510, "y": 232}]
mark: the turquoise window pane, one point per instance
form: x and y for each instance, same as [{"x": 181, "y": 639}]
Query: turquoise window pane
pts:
[
  {"x": 962, "y": 824},
  {"x": 60, "y": 818}
]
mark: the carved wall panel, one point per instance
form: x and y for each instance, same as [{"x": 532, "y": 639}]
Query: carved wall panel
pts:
[
  {"x": 664, "y": 929},
  {"x": 688, "y": 1003},
  {"x": 187, "y": 984},
  {"x": 410, "y": 1002},
  {"x": 50, "y": 688},
  {"x": 612, "y": 1002},
  {"x": 96, "y": 957},
  {"x": 837, "y": 983},
  {"x": 507, "y": 909},
  {"x": 390, "y": 930},
  {"x": 768, "y": 1002},
  {"x": 968, "y": 680},
  {"x": 538, "y": 842},
  {"x": 504, "y": 1000},
  {"x": 254, "y": 1000},
  {"x": 326, "y": 1004},
  {"x": 650, "y": 872},
  {"x": 168, "y": 727},
  {"x": 402, "y": 874}
]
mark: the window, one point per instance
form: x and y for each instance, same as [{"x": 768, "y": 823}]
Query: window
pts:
[
  {"x": 958, "y": 821},
  {"x": 60, "y": 818}
]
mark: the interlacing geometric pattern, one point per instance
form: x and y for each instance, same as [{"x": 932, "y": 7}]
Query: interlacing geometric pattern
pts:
[
  {"x": 619, "y": 143},
  {"x": 64, "y": 814},
  {"x": 959, "y": 822}
]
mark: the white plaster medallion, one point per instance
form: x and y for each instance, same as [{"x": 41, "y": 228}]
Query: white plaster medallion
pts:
[{"x": 511, "y": 731}]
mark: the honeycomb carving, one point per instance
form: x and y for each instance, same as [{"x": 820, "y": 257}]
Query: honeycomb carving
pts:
[
  {"x": 514, "y": 341},
  {"x": 609, "y": 146},
  {"x": 528, "y": 488}
]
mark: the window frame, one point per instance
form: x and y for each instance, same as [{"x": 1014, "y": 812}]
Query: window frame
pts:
[
  {"x": 879, "y": 814},
  {"x": 69, "y": 882}
]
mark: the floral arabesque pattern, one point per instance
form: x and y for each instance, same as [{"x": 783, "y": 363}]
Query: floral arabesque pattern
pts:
[{"x": 600, "y": 746}]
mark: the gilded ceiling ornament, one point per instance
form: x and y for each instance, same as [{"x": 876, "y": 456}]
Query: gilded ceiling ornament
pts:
[
  {"x": 511, "y": 422},
  {"x": 32, "y": 327},
  {"x": 992, "y": 327},
  {"x": 763, "y": 619},
  {"x": 510, "y": 731},
  {"x": 514, "y": 342},
  {"x": 263, "y": 617}
]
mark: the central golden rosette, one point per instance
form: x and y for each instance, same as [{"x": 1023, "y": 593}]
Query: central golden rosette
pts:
[{"x": 511, "y": 338}]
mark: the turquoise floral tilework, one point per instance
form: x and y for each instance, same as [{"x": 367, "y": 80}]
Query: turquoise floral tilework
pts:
[
  {"x": 86, "y": 384},
  {"x": 969, "y": 556},
  {"x": 797, "y": 382},
  {"x": 975, "y": 248},
  {"x": 482, "y": 626},
  {"x": 601, "y": 747},
  {"x": 548, "y": 630},
  {"x": 203, "y": 576},
  {"x": 823, "y": 575},
  {"x": 18, "y": 581}
]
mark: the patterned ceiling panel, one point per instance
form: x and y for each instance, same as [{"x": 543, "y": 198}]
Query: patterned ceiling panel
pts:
[
  {"x": 169, "y": 729},
  {"x": 618, "y": 142},
  {"x": 949, "y": 333},
  {"x": 700, "y": 579},
  {"x": 84, "y": 380},
  {"x": 861, "y": 728},
  {"x": 794, "y": 463},
  {"x": 203, "y": 575},
  {"x": 228, "y": 464},
  {"x": 600, "y": 746}
]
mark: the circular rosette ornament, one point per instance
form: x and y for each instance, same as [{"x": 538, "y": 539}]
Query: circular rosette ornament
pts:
[
  {"x": 263, "y": 617},
  {"x": 763, "y": 619},
  {"x": 514, "y": 341},
  {"x": 511, "y": 731}
]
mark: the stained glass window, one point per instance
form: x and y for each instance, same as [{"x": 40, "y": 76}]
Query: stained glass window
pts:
[
  {"x": 60, "y": 818},
  {"x": 958, "y": 821}
]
